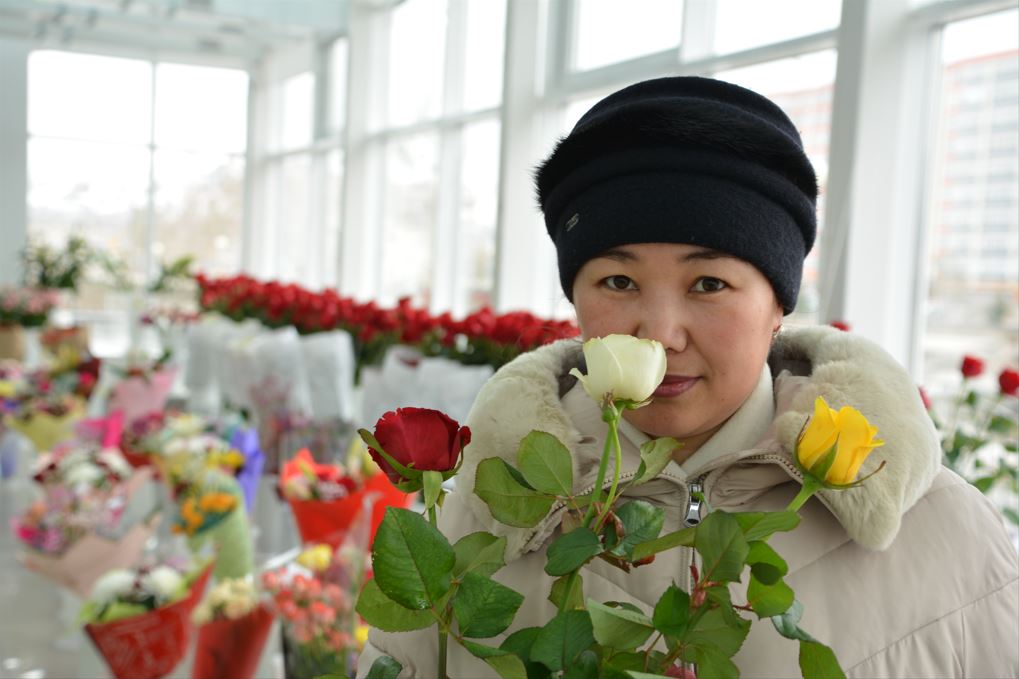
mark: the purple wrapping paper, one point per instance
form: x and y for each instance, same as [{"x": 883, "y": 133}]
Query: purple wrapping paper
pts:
[
  {"x": 8, "y": 455},
  {"x": 245, "y": 441}
]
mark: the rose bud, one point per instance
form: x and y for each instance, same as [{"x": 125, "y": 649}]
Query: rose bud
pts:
[
  {"x": 420, "y": 439},
  {"x": 622, "y": 368},
  {"x": 1008, "y": 380},
  {"x": 846, "y": 432},
  {"x": 971, "y": 366}
]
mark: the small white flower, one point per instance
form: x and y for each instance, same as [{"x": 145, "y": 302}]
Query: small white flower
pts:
[
  {"x": 113, "y": 585},
  {"x": 112, "y": 458},
  {"x": 85, "y": 474},
  {"x": 622, "y": 366},
  {"x": 163, "y": 581}
]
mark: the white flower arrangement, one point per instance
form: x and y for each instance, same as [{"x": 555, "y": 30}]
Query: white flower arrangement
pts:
[{"x": 231, "y": 599}]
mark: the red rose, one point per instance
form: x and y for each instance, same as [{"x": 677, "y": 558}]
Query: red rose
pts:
[
  {"x": 971, "y": 366},
  {"x": 841, "y": 325},
  {"x": 1008, "y": 380},
  {"x": 925, "y": 398},
  {"x": 421, "y": 438}
]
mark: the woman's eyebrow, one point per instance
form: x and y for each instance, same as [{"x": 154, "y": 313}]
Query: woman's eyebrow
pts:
[
  {"x": 619, "y": 255},
  {"x": 705, "y": 255}
]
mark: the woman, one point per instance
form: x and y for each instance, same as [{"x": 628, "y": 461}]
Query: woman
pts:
[{"x": 681, "y": 210}]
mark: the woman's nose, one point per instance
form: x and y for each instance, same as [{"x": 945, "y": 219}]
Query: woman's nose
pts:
[{"x": 665, "y": 320}]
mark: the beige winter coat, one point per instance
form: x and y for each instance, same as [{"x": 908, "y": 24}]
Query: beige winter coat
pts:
[{"x": 910, "y": 575}]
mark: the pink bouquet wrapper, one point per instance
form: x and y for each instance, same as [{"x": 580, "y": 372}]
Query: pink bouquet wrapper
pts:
[
  {"x": 105, "y": 431},
  {"x": 150, "y": 645},
  {"x": 138, "y": 396},
  {"x": 90, "y": 557}
]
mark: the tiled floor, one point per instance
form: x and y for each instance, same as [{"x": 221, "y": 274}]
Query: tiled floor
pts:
[{"x": 39, "y": 637}]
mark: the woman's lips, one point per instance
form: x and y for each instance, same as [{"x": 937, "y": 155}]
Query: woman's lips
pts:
[{"x": 674, "y": 385}]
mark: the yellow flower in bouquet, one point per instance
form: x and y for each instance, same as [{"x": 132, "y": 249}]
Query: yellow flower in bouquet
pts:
[
  {"x": 316, "y": 558},
  {"x": 7, "y": 389},
  {"x": 834, "y": 444},
  {"x": 217, "y": 502}
]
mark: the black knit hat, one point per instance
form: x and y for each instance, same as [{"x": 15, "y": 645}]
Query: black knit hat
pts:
[{"x": 683, "y": 160}]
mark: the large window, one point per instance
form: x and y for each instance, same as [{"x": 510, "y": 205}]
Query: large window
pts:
[
  {"x": 439, "y": 154},
  {"x": 146, "y": 178},
  {"x": 973, "y": 215}
]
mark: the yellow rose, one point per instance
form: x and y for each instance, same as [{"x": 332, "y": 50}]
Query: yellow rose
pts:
[
  {"x": 848, "y": 431},
  {"x": 361, "y": 636},
  {"x": 622, "y": 367},
  {"x": 316, "y": 558}
]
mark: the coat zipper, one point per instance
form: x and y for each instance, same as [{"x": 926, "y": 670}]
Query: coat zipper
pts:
[{"x": 692, "y": 517}]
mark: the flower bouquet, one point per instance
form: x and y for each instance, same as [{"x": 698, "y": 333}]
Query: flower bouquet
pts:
[
  {"x": 144, "y": 387},
  {"x": 22, "y": 308},
  {"x": 209, "y": 509},
  {"x": 326, "y": 499},
  {"x": 44, "y": 405},
  {"x": 70, "y": 533},
  {"x": 140, "y": 619},
  {"x": 314, "y": 599},
  {"x": 698, "y": 620},
  {"x": 978, "y": 438},
  {"x": 233, "y": 626}
]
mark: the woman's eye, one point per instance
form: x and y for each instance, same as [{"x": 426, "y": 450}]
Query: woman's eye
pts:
[
  {"x": 709, "y": 284},
  {"x": 619, "y": 283}
]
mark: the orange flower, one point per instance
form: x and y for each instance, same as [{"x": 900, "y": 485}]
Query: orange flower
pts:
[{"x": 217, "y": 502}]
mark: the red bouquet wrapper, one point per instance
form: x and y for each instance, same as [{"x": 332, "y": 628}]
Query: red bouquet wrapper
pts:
[
  {"x": 136, "y": 459},
  {"x": 231, "y": 649},
  {"x": 149, "y": 646},
  {"x": 328, "y": 521}
]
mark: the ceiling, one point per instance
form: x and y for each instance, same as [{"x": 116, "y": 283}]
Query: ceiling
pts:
[{"x": 236, "y": 29}]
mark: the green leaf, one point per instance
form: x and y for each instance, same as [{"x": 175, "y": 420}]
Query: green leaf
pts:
[
  {"x": 506, "y": 664},
  {"x": 762, "y": 525},
  {"x": 765, "y": 563},
  {"x": 483, "y": 607},
  {"x": 546, "y": 463},
  {"x": 722, "y": 547},
  {"x": 519, "y": 643},
  {"x": 642, "y": 522},
  {"x": 432, "y": 484},
  {"x": 584, "y": 667},
  {"x": 984, "y": 483},
  {"x": 714, "y": 663},
  {"x": 481, "y": 553},
  {"x": 380, "y": 611},
  {"x": 644, "y": 675},
  {"x": 655, "y": 455},
  {"x": 787, "y": 624},
  {"x": 509, "y": 501},
  {"x": 618, "y": 627},
  {"x": 413, "y": 561},
  {"x": 769, "y": 600},
  {"x": 714, "y": 629},
  {"x": 680, "y": 538},
  {"x": 672, "y": 612},
  {"x": 560, "y": 641},
  {"x": 1011, "y": 514},
  {"x": 572, "y": 550},
  {"x": 559, "y": 591},
  {"x": 817, "y": 661},
  {"x": 406, "y": 472},
  {"x": 384, "y": 667}
]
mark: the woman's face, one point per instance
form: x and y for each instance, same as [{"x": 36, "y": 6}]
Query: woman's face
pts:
[{"x": 714, "y": 313}]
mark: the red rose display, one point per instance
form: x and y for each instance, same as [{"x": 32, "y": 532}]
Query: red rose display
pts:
[
  {"x": 1008, "y": 380},
  {"x": 971, "y": 366},
  {"x": 419, "y": 438}
]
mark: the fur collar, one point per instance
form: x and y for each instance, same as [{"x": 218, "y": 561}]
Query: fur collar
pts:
[{"x": 819, "y": 361}]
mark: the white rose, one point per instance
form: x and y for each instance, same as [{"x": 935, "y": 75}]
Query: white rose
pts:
[
  {"x": 114, "y": 584},
  {"x": 163, "y": 581},
  {"x": 622, "y": 367}
]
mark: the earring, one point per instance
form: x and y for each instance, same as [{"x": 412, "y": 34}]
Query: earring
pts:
[{"x": 774, "y": 333}]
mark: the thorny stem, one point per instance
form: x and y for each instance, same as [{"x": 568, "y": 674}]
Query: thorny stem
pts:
[{"x": 610, "y": 415}]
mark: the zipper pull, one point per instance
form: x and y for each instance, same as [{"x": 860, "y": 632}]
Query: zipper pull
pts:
[{"x": 693, "y": 507}]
